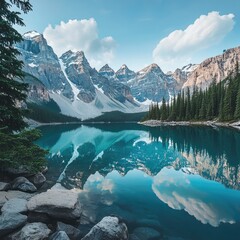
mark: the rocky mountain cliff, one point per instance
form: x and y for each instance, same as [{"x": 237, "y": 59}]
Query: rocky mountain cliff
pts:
[
  {"x": 151, "y": 84},
  {"x": 77, "y": 88},
  {"x": 215, "y": 68},
  {"x": 148, "y": 85},
  {"x": 37, "y": 92},
  {"x": 107, "y": 72},
  {"x": 81, "y": 91},
  {"x": 124, "y": 74},
  {"x": 181, "y": 75},
  {"x": 41, "y": 62}
]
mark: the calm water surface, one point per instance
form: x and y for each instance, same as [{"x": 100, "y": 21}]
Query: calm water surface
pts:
[{"x": 165, "y": 182}]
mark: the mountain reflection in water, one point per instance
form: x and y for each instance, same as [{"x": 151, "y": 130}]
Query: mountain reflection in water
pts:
[{"x": 135, "y": 171}]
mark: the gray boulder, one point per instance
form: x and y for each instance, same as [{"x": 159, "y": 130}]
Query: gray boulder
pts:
[
  {"x": 109, "y": 228},
  {"x": 61, "y": 204},
  {"x": 10, "y": 222},
  {"x": 4, "y": 186},
  {"x": 33, "y": 231},
  {"x": 5, "y": 196},
  {"x": 15, "y": 205},
  {"x": 72, "y": 232},
  {"x": 60, "y": 235},
  {"x": 39, "y": 217},
  {"x": 133, "y": 237},
  {"x": 22, "y": 184},
  {"x": 38, "y": 180}
]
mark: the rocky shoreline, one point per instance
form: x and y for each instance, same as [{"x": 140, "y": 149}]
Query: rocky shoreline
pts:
[
  {"x": 157, "y": 123},
  {"x": 56, "y": 214}
]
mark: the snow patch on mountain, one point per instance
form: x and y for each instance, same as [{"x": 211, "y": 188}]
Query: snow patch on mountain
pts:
[
  {"x": 32, "y": 65},
  {"x": 31, "y": 34},
  {"x": 74, "y": 88}
]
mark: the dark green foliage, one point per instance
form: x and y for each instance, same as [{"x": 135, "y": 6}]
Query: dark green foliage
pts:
[
  {"x": 117, "y": 116},
  {"x": 47, "y": 113},
  {"x": 19, "y": 150},
  {"x": 163, "y": 110},
  {"x": 16, "y": 149},
  {"x": 237, "y": 110},
  {"x": 220, "y": 102},
  {"x": 11, "y": 91}
]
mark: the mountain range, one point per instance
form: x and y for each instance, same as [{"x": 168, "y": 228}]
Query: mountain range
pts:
[{"x": 80, "y": 91}]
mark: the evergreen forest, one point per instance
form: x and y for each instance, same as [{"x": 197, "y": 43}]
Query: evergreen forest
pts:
[{"x": 220, "y": 101}]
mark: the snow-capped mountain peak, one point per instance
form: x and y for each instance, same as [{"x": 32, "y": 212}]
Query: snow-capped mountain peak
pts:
[
  {"x": 31, "y": 34},
  {"x": 152, "y": 68},
  {"x": 124, "y": 74},
  {"x": 106, "y": 71},
  {"x": 189, "y": 68},
  {"x": 124, "y": 66},
  {"x": 76, "y": 58},
  {"x": 151, "y": 84}
]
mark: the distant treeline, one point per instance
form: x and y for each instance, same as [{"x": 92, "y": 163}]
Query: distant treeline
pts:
[{"x": 220, "y": 101}]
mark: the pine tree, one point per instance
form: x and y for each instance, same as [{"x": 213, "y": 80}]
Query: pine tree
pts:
[
  {"x": 188, "y": 105},
  {"x": 237, "y": 110},
  {"x": 12, "y": 91},
  {"x": 227, "y": 104},
  {"x": 164, "y": 110},
  {"x": 16, "y": 149},
  {"x": 173, "y": 114}
]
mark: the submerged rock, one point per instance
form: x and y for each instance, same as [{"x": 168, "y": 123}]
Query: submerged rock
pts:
[
  {"x": 11, "y": 221},
  {"x": 72, "y": 232},
  {"x": 61, "y": 204},
  {"x": 22, "y": 184},
  {"x": 33, "y": 231},
  {"x": 60, "y": 235},
  {"x": 109, "y": 228},
  {"x": 15, "y": 205},
  {"x": 146, "y": 233}
]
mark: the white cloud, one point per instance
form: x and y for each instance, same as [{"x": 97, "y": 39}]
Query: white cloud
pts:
[
  {"x": 181, "y": 191},
  {"x": 180, "y": 45},
  {"x": 81, "y": 35}
]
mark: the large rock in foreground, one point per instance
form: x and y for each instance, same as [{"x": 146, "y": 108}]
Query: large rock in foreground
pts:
[
  {"x": 15, "y": 205},
  {"x": 109, "y": 228},
  {"x": 11, "y": 221},
  {"x": 4, "y": 186},
  {"x": 5, "y": 196},
  {"x": 33, "y": 231},
  {"x": 63, "y": 204}
]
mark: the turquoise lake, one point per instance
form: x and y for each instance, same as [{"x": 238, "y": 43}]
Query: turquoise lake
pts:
[{"x": 165, "y": 182}]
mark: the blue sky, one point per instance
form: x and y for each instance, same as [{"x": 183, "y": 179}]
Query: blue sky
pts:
[{"x": 138, "y": 32}]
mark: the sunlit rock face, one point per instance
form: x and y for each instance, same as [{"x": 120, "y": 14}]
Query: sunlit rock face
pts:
[
  {"x": 181, "y": 75},
  {"x": 214, "y": 69}
]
